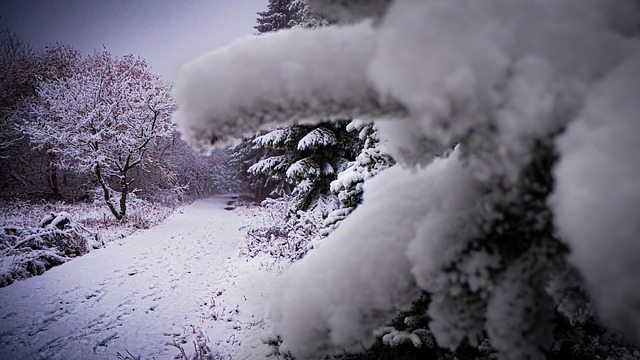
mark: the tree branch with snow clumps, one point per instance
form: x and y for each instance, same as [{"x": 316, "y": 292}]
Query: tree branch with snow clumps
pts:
[
  {"x": 317, "y": 74},
  {"x": 519, "y": 90}
]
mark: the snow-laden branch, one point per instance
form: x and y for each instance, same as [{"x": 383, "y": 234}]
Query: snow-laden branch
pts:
[
  {"x": 501, "y": 79},
  {"x": 298, "y": 75}
]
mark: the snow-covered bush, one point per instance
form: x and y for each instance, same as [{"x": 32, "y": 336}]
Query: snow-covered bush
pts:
[
  {"x": 33, "y": 250},
  {"x": 287, "y": 235},
  {"x": 536, "y": 97}
]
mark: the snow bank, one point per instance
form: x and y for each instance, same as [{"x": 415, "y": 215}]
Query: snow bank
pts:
[{"x": 597, "y": 199}]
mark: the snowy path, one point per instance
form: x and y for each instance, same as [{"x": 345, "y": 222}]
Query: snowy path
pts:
[{"x": 145, "y": 294}]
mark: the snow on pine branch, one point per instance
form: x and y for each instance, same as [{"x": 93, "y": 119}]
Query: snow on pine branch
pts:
[
  {"x": 276, "y": 138},
  {"x": 303, "y": 168},
  {"x": 316, "y": 74},
  {"x": 317, "y": 138},
  {"x": 271, "y": 165}
]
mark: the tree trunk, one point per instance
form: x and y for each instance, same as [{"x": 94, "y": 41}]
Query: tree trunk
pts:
[
  {"x": 52, "y": 178},
  {"x": 107, "y": 193},
  {"x": 124, "y": 188}
]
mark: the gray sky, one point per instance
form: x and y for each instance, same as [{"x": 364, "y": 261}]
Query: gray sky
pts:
[{"x": 165, "y": 32}]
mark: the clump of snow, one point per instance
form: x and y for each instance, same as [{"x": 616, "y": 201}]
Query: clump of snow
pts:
[
  {"x": 597, "y": 199},
  {"x": 493, "y": 64},
  {"x": 214, "y": 88}
]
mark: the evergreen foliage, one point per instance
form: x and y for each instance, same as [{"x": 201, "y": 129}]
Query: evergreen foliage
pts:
[
  {"x": 280, "y": 14},
  {"x": 259, "y": 185},
  {"x": 348, "y": 185},
  {"x": 305, "y": 160},
  {"x": 286, "y": 14}
]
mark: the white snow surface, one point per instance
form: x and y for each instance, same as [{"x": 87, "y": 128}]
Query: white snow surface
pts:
[{"x": 174, "y": 284}]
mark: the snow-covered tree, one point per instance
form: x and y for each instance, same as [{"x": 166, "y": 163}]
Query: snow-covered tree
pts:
[
  {"x": 513, "y": 233},
  {"x": 14, "y": 85},
  {"x": 280, "y": 14},
  {"x": 103, "y": 119},
  {"x": 262, "y": 164},
  {"x": 308, "y": 158},
  {"x": 308, "y": 18}
]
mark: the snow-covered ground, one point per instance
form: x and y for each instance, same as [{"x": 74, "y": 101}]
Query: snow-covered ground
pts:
[{"x": 180, "y": 284}]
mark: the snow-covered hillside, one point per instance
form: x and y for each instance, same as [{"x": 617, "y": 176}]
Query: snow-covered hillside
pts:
[{"x": 179, "y": 285}]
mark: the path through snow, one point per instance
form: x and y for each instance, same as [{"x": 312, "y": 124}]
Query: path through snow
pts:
[{"x": 145, "y": 294}]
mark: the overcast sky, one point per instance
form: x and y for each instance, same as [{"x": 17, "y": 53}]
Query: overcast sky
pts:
[{"x": 165, "y": 32}]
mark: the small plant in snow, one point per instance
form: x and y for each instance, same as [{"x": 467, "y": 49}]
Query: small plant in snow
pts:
[
  {"x": 201, "y": 348},
  {"x": 126, "y": 356}
]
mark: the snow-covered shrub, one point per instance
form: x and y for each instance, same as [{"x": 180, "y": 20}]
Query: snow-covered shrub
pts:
[
  {"x": 287, "y": 235},
  {"x": 33, "y": 250},
  {"x": 536, "y": 97}
]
